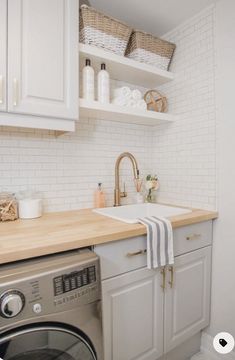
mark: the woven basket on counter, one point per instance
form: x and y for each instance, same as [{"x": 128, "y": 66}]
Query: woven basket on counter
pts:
[
  {"x": 149, "y": 49},
  {"x": 103, "y": 31}
]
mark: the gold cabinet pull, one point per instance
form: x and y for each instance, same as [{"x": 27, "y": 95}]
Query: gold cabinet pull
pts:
[
  {"x": 1, "y": 89},
  {"x": 15, "y": 92},
  {"x": 163, "y": 273},
  {"x": 193, "y": 236},
  {"x": 171, "y": 282},
  {"x": 139, "y": 252}
]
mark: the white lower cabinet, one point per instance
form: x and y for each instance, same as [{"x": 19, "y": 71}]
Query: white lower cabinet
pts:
[
  {"x": 187, "y": 303},
  {"x": 140, "y": 320},
  {"x": 133, "y": 316}
]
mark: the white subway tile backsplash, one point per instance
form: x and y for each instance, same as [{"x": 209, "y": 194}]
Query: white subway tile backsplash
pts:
[
  {"x": 184, "y": 153},
  {"x": 66, "y": 169}
]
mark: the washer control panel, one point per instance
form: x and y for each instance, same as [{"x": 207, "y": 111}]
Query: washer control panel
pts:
[
  {"x": 74, "y": 280},
  {"x": 49, "y": 285}
]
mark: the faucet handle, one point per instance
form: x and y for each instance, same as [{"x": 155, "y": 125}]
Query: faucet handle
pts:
[{"x": 123, "y": 193}]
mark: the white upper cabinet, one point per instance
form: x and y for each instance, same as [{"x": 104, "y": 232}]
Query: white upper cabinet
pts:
[
  {"x": 43, "y": 57},
  {"x": 187, "y": 303},
  {"x": 3, "y": 55}
]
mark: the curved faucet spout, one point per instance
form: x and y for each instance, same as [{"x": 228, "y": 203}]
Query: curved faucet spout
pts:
[{"x": 117, "y": 193}]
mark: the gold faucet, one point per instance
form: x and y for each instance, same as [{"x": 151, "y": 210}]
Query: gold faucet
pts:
[{"x": 117, "y": 193}]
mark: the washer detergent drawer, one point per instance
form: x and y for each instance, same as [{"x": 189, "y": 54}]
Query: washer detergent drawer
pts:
[{"x": 45, "y": 342}]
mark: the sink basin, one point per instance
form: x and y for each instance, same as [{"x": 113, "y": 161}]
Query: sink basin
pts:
[{"x": 130, "y": 213}]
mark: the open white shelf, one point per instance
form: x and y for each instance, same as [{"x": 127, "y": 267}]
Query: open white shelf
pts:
[
  {"x": 124, "y": 69},
  {"x": 94, "y": 109}
]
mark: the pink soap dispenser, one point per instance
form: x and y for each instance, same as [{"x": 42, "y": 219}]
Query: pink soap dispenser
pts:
[{"x": 99, "y": 197}]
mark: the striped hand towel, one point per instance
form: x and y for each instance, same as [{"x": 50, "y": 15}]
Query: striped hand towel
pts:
[{"x": 159, "y": 241}]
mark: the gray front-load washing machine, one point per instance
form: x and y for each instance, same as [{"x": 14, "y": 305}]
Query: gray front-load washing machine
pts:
[{"x": 50, "y": 308}]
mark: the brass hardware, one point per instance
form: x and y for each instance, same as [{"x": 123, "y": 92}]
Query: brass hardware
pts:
[
  {"x": 139, "y": 252},
  {"x": 117, "y": 193},
  {"x": 171, "y": 282},
  {"x": 163, "y": 273},
  {"x": 123, "y": 193},
  {"x": 1, "y": 89},
  {"x": 15, "y": 92},
  {"x": 193, "y": 236}
]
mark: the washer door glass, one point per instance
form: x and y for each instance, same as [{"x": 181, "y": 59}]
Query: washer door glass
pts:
[{"x": 45, "y": 343}]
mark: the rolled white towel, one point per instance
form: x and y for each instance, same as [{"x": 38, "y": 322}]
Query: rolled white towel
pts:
[
  {"x": 141, "y": 104},
  {"x": 123, "y": 91},
  {"x": 136, "y": 95},
  {"x": 120, "y": 101},
  {"x": 131, "y": 103}
]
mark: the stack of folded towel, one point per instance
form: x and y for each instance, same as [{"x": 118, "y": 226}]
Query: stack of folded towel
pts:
[{"x": 124, "y": 96}]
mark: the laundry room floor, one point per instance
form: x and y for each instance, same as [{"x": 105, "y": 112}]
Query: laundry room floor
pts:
[{"x": 201, "y": 356}]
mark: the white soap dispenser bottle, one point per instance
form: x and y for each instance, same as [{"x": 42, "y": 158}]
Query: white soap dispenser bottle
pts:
[
  {"x": 103, "y": 85},
  {"x": 88, "y": 81}
]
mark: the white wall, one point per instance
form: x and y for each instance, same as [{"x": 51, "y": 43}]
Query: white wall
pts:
[
  {"x": 67, "y": 169},
  {"x": 185, "y": 152},
  {"x": 223, "y": 276}
]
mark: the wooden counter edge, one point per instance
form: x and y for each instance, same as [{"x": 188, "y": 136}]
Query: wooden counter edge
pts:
[{"x": 47, "y": 249}]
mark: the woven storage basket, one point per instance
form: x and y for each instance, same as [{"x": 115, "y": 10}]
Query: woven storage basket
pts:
[
  {"x": 98, "y": 29},
  {"x": 149, "y": 49}
]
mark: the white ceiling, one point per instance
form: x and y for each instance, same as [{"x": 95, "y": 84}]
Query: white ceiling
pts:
[{"x": 154, "y": 16}]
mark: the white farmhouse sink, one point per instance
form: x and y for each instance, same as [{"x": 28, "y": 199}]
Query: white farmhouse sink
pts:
[{"x": 130, "y": 213}]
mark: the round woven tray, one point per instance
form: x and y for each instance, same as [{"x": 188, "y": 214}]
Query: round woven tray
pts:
[{"x": 155, "y": 101}]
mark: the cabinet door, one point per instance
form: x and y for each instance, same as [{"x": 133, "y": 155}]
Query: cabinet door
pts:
[
  {"x": 3, "y": 47},
  {"x": 133, "y": 316},
  {"x": 43, "y": 57},
  {"x": 187, "y": 304}
]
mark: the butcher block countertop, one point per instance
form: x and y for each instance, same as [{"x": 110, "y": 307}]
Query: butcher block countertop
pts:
[{"x": 62, "y": 231}]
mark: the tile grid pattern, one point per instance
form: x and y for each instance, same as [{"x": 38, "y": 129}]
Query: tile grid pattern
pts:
[
  {"x": 185, "y": 151},
  {"x": 66, "y": 169}
]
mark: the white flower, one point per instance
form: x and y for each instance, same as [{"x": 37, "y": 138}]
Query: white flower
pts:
[
  {"x": 149, "y": 185},
  {"x": 155, "y": 184}
]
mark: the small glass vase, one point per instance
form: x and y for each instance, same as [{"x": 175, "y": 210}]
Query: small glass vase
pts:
[{"x": 151, "y": 196}]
